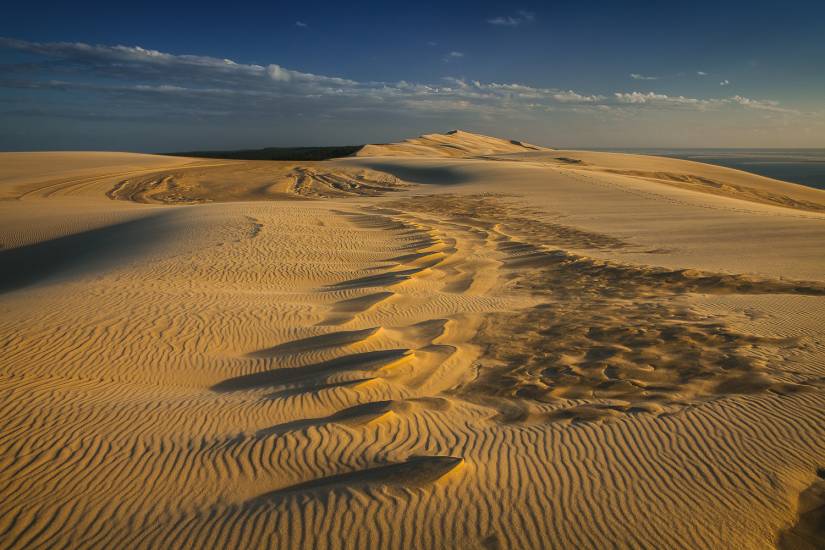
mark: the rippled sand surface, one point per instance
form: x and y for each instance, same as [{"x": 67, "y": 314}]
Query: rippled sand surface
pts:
[{"x": 452, "y": 342}]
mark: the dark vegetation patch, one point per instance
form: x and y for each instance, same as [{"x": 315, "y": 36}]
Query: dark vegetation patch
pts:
[{"x": 276, "y": 153}]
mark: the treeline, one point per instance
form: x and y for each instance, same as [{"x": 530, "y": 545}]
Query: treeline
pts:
[{"x": 276, "y": 153}]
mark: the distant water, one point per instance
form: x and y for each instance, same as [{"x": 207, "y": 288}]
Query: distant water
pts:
[{"x": 803, "y": 166}]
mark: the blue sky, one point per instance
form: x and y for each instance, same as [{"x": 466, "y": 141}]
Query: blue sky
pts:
[{"x": 180, "y": 76}]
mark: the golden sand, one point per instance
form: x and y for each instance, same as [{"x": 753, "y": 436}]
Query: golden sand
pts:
[{"x": 452, "y": 342}]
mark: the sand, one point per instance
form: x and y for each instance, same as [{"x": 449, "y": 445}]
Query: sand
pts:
[
  {"x": 453, "y": 144},
  {"x": 451, "y": 342}
]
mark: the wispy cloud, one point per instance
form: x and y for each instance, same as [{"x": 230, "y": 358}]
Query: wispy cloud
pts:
[
  {"x": 301, "y": 24},
  {"x": 452, "y": 56},
  {"x": 725, "y": 82},
  {"x": 701, "y": 73},
  {"x": 762, "y": 105},
  {"x": 651, "y": 98},
  {"x": 654, "y": 99},
  {"x": 521, "y": 17},
  {"x": 637, "y": 76}
]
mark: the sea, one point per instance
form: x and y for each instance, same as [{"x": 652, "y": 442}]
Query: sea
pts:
[{"x": 802, "y": 166}]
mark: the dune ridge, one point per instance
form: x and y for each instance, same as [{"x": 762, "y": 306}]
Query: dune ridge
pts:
[
  {"x": 497, "y": 353},
  {"x": 452, "y": 144}
]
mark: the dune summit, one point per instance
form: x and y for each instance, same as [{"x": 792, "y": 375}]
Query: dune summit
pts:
[
  {"x": 455, "y": 341},
  {"x": 453, "y": 144}
]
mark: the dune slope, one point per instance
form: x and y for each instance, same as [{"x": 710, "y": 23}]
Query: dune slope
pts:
[{"x": 453, "y": 144}]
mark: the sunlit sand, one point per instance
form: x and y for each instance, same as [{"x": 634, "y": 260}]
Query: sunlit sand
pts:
[{"x": 454, "y": 341}]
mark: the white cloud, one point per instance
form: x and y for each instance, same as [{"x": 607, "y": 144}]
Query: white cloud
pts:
[
  {"x": 301, "y": 24},
  {"x": 701, "y": 73},
  {"x": 278, "y": 73},
  {"x": 637, "y": 76},
  {"x": 651, "y": 97},
  {"x": 452, "y": 56},
  {"x": 664, "y": 100},
  {"x": 570, "y": 96},
  {"x": 762, "y": 105},
  {"x": 519, "y": 18},
  {"x": 724, "y": 82}
]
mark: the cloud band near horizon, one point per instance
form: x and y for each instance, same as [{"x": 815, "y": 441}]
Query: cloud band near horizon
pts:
[{"x": 133, "y": 81}]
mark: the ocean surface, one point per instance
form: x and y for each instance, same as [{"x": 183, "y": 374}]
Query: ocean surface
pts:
[{"x": 803, "y": 166}]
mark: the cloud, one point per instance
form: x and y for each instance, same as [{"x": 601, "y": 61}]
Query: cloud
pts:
[
  {"x": 573, "y": 97},
  {"x": 301, "y": 24},
  {"x": 452, "y": 56},
  {"x": 135, "y": 81},
  {"x": 651, "y": 98},
  {"x": 701, "y": 73},
  {"x": 521, "y": 17},
  {"x": 762, "y": 105},
  {"x": 725, "y": 82},
  {"x": 278, "y": 73},
  {"x": 636, "y": 76}
]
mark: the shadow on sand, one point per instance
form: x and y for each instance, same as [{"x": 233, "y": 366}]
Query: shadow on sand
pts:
[{"x": 81, "y": 252}]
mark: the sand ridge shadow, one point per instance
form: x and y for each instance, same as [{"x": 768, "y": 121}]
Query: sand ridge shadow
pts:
[
  {"x": 367, "y": 361},
  {"x": 316, "y": 387},
  {"x": 808, "y": 532},
  {"x": 329, "y": 340},
  {"x": 78, "y": 253},
  {"x": 415, "y": 472},
  {"x": 364, "y": 413},
  {"x": 383, "y": 279},
  {"x": 413, "y": 172},
  {"x": 344, "y": 311}
]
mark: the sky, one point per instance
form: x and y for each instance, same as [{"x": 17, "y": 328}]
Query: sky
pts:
[{"x": 156, "y": 76}]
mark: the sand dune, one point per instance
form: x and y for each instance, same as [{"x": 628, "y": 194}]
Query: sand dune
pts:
[
  {"x": 455, "y": 143},
  {"x": 694, "y": 176},
  {"x": 454, "y": 344}
]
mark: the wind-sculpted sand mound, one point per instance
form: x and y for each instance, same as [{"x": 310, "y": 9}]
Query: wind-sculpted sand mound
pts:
[
  {"x": 524, "y": 350},
  {"x": 455, "y": 143},
  {"x": 253, "y": 180}
]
